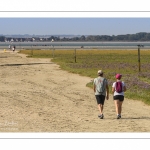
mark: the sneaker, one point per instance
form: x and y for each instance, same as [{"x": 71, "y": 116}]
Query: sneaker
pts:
[
  {"x": 101, "y": 116},
  {"x": 118, "y": 116}
]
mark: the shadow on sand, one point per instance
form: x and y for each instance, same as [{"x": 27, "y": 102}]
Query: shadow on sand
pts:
[
  {"x": 130, "y": 118},
  {"x": 136, "y": 118},
  {"x": 24, "y": 64}
]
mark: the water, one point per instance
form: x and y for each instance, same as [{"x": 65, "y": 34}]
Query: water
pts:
[{"x": 68, "y": 45}]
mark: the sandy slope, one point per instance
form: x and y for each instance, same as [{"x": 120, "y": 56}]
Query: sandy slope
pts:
[{"x": 37, "y": 96}]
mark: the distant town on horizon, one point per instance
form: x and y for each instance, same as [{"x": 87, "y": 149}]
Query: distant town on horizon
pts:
[{"x": 141, "y": 36}]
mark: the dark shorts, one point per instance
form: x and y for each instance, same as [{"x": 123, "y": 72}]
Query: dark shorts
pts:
[
  {"x": 119, "y": 97},
  {"x": 100, "y": 99}
]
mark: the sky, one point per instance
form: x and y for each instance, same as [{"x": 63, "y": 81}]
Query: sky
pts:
[
  {"x": 75, "y": 26},
  {"x": 77, "y": 17}
]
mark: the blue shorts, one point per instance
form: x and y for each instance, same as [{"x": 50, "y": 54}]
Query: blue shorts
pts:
[
  {"x": 119, "y": 97},
  {"x": 100, "y": 99}
]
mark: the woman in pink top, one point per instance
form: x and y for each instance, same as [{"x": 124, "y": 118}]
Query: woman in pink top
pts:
[{"x": 118, "y": 89}]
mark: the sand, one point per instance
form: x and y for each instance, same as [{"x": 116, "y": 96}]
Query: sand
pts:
[{"x": 37, "y": 96}]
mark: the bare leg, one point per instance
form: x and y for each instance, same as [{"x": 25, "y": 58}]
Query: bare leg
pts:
[
  {"x": 117, "y": 106},
  {"x": 100, "y": 108},
  {"x": 120, "y": 107}
]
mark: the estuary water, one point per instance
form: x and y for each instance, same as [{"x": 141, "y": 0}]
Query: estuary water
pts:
[{"x": 70, "y": 45}]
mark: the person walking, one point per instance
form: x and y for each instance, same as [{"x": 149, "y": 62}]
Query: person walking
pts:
[
  {"x": 118, "y": 89},
  {"x": 9, "y": 47},
  {"x": 101, "y": 90},
  {"x": 14, "y": 47}
]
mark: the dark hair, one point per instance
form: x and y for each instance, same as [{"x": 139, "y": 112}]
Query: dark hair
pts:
[{"x": 100, "y": 74}]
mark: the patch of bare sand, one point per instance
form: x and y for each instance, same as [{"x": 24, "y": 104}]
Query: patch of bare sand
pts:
[{"x": 37, "y": 96}]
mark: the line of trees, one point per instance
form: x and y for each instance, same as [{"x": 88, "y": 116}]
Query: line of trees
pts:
[{"x": 142, "y": 36}]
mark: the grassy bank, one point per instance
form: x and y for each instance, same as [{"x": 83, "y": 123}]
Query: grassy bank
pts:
[{"x": 87, "y": 62}]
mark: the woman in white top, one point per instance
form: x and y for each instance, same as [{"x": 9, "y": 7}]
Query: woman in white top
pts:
[{"x": 118, "y": 89}]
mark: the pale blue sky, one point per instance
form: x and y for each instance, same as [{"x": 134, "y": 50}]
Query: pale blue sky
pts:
[{"x": 76, "y": 26}]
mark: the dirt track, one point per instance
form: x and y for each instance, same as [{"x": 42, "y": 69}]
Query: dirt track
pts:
[{"x": 37, "y": 96}]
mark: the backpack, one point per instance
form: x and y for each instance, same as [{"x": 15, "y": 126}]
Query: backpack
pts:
[
  {"x": 119, "y": 87},
  {"x": 100, "y": 85}
]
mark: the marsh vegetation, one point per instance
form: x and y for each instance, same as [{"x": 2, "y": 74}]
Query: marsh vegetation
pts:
[{"x": 87, "y": 62}]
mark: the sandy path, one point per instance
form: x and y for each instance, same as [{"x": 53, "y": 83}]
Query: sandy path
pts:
[{"x": 37, "y": 96}]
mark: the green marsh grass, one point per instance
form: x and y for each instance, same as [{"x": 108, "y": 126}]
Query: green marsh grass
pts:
[{"x": 88, "y": 62}]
